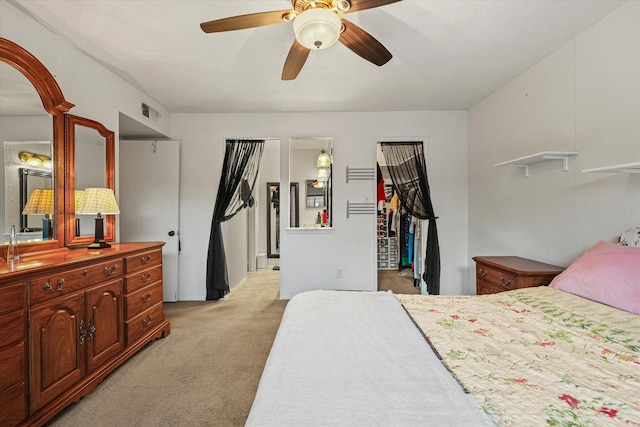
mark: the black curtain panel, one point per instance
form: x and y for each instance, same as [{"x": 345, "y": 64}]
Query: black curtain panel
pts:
[
  {"x": 408, "y": 170},
  {"x": 239, "y": 173}
]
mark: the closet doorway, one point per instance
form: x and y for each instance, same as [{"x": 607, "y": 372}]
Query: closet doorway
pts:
[{"x": 395, "y": 238}]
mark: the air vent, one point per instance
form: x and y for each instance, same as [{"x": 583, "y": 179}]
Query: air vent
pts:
[{"x": 150, "y": 113}]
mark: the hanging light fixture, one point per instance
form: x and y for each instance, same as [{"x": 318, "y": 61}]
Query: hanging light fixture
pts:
[
  {"x": 35, "y": 160},
  {"x": 323, "y": 174},
  {"x": 324, "y": 160},
  {"x": 317, "y": 28}
]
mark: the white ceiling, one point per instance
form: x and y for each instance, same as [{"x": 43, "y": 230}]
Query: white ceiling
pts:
[{"x": 448, "y": 55}]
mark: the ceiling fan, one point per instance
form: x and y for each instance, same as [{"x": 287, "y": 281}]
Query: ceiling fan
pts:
[{"x": 317, "y": 25}]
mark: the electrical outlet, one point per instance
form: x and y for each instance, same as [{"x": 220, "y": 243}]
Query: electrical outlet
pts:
[{"x": 339, "y": 273}]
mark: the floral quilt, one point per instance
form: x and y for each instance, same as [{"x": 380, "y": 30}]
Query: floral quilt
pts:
[{"x": 538, "y": 356}]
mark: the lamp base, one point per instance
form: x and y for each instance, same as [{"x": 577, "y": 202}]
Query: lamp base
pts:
[
  {"x": 99, "y": 245},
  {"x": 98, "y": 240}
]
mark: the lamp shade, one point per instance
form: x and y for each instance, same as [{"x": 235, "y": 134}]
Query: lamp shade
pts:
[
  {"x": 79, "y": 196},
  {"x": 317, "y": 28},
  {"x": 40, "y": 202},
  {"x": 324, "y": 160},
  {"x": 98, "y": 201}
]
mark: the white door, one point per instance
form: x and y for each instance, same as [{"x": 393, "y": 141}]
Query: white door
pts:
[{"x": 149, "y": 192}]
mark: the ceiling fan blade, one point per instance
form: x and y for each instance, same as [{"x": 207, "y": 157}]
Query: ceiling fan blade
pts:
[
  {"x": 364, "y": 44},
  {"x": 358, "y": 5},
  {"x": 241, "y": 22},
  {"x": 295, "y": 61}
]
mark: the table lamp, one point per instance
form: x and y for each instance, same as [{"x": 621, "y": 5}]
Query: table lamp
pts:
[
  {"x": 41, "y": 203},
  {"x": 98, "y": 201}
]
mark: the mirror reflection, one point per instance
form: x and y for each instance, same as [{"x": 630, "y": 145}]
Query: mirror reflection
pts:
[
  {"x": 26, "y": 133},
  {"x": 36, "y": 201},
  {"x": 91, "y": 172},
  {"x": 310, "y": 162},
  {"x": 273, "y": 215},
  {"x": 90, "y": 150}
]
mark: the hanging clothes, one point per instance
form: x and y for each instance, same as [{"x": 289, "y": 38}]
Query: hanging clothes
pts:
[{"x": 406, "y": 245}]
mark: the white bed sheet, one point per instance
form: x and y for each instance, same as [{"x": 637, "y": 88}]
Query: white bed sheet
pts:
[{"x": 345, "y": 358}]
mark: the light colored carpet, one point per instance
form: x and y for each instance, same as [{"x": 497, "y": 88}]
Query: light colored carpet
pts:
[
  {"x": 205, "y": 373},
  {"x": 399, "y": 282}
]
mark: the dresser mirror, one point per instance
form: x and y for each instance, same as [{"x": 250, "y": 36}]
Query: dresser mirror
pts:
[
  {"x": 91, "y": 155},
  {"x": 30, "y": 101},
  {"x": 310, "y": 162}
]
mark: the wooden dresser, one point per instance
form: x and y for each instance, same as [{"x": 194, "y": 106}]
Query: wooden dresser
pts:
[
  {"x": 503, "y": 273},
  {"x": 68, "y": 318}
]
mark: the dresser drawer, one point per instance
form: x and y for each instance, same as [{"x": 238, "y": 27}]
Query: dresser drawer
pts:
[
  {"x": 14, "y": 406},
  {"x": 143, "y": 323},
  {"x": 12, "y": 328},
  {"x": 62, "y": 283},
  {"x": 497, "y": 277},
  {"x": 141, "y": 279},
  {"x": 143, "y": 299},
  {"x": 143, "y": 260},
  {"x": 14, "y": 298},
  {"x": 12, "y": 362}
]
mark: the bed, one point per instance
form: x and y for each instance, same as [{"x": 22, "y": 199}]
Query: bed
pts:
[{"x": 563, "y": 355}]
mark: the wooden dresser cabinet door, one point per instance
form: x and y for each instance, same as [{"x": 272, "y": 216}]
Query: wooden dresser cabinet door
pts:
[
  {"x": 105, "y": 312},
  {"x": 56, "y": 354}
]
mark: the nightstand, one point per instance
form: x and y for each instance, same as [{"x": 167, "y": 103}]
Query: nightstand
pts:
[{"x": 504, "y": 273}]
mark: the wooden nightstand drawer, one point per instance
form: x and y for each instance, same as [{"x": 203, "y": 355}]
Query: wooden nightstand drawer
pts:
[
  {"x": 504, "y": 273},
  {"x": 496, "y": 277}
]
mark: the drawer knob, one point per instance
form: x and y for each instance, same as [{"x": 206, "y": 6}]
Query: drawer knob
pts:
[
  {"x": 47, "y": 286},
  {"x": 482, "y": 272},
  {"x": 147, "y": 321},
  {"x": 145, "y": 260},
  {"x": 145, "y": 277},
  {"x": 505, "y": 282},
  {"x": 146, "y": 297},
  {"x": 108, "y": 272}
]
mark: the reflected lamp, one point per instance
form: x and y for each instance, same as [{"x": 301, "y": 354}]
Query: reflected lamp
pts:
[
  {"x": 41, "y": 203},
  {"x": 98, "y": 201},
  {"x": 324, "y": 160}
]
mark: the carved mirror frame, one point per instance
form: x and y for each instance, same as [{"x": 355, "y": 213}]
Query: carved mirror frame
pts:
[
  {"x": 70, "y": 237},
  {"x": 55, "y": 104}
]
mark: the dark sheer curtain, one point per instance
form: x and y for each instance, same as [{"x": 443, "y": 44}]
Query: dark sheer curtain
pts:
[
  {"x": 239, "y": 173},
  {"x": 408, "y": 170}
]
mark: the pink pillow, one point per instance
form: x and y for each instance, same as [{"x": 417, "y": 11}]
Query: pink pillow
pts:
[{"x": 606, "y": 273}]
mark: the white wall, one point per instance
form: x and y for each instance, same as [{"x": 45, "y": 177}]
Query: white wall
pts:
[
  {"x": 310, "y": 260},
  {"x": 586, "y": 98},
  {"x": 97, "y": 93}
]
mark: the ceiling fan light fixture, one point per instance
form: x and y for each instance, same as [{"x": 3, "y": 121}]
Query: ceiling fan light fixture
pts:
[{"x": 317, "y": 28}]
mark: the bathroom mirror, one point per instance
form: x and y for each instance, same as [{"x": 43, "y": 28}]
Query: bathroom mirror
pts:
[
  {"x": 273, "y": 215},
  {"x": 33, "y": 108},
  {"x": 315, "y": 208}
]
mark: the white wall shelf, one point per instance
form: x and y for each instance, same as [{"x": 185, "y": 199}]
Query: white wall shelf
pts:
[
  {"x": 527, "y": 161},
  {"x": 626, "y": 168}
]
